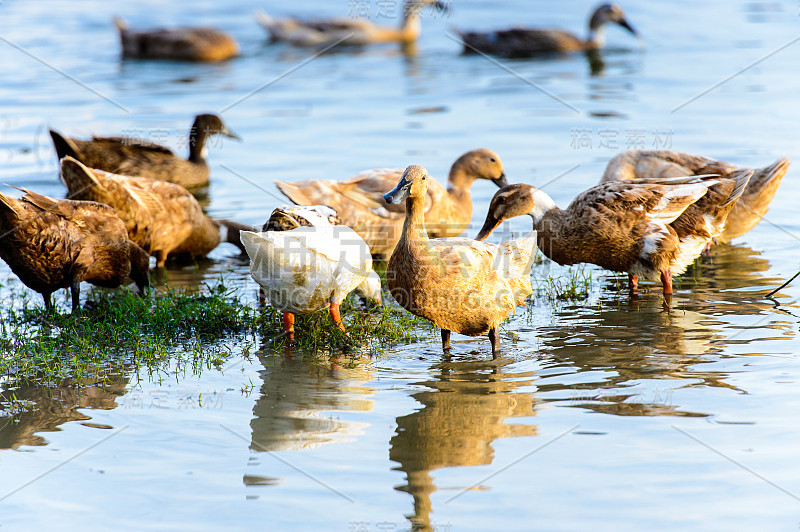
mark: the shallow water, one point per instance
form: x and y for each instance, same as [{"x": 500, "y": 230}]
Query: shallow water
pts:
[{"x": 605, "y": 414}]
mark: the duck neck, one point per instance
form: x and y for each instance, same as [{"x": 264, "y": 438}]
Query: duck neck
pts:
[
  {"x": 459, "y": 185},
  {"x": 411, "y": 25},
  {"x": 197, "y": 144},
  {"x": 597, "y": 32},
  {"x": 414, "y": 232}
]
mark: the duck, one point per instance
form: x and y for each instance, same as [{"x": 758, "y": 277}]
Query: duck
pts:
[
  {"x": 527, "y": 42},
  {"x": 659, "y": 164},
  {"x": 163, "y": 218},
  {"x": 459, "y": 284},
  {"x": 303, "y": 260},
  {"x": 52, "y": 244},
  {"x": 643, "y": 229},
  {"x": 349, "y": 31},
  {"x": 203, "y": 44},
  {"x": 360, "y": 204},
  {"x": 142, "y": 158}
]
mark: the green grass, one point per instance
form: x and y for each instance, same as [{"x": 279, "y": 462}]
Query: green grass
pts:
[
  {"x": 576, "y": 286},
  {"x": 119, "y": 331}
]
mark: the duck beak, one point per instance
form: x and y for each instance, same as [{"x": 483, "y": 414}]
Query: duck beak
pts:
[
  {"x": 500, "y": 181},
  {"x": 488, "y": 226},
  {"x": 399, "y": 193},
  {"x": 228, "y": 133},
  {"x": 627, "y": 25},
  {"x": 442, "y": 7}
]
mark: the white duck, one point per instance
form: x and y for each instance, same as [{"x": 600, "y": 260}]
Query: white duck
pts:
[{"x": 304, "y": 261}]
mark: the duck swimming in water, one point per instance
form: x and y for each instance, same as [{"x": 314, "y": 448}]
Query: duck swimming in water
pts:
[
  {"x": 142, "y": 158},
  {"x": 528, "y": 42}
]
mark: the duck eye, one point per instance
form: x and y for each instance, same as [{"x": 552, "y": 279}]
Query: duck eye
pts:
[{"x": 493, "y": 160}]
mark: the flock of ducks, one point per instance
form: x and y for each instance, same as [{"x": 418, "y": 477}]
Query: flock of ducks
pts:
[
  {"x": 652, "y": 214},
  {"x": 212, "y": 44}
]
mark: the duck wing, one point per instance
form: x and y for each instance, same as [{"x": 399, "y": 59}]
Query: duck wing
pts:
[{"x": 521, "y": 42}]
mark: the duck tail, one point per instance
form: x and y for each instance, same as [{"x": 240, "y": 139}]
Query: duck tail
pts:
[
  {"x": 741, "y": 177},
  {"x": 769, "y": 177},
  {"x": 9, "y": 207},
  {"x": 64, "y": 146},
  {"x": 120, "y": 23},
  {"x": 78, "y": 178},
  {"x": 45, "y": 203},
  {"x": 266, "y": 21},
  {"x": 294, "y": 193}
]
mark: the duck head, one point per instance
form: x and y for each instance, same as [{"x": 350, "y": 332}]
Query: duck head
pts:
[
  {"x": 512, "y": 201},
  {"x": 140, "y": 266},
  {"x": 413, "y": 184},
  {"x": 479, "y": 164},
  {"x": 604, "y": 14},
  {"x": 414, "y": 6},
  {"x": 370, "y": 289},
  {"x": 211, "y": 124}
]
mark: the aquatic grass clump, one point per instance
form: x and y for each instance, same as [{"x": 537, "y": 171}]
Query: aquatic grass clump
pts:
[
  {"x": 117, "y": 330},
  {"x": 576, "y": 286}
]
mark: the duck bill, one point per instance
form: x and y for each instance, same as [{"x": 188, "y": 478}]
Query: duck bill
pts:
[
  {"x": 228, "y": 133},
  {"x": 500, "y": 181},
  {"x": 488, "y": 226},
  {"x": 627, "y": 25},
  {"x": 399, "y": 193},
  {"x": 442, "y": 7}
]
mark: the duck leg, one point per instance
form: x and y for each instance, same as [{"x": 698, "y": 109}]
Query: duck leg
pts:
[
  {"x": 445, "y": 340},
  {"x": 288, "y": 325},
  {"x": 666, "y": 281},
  {"x": 494, "y": 338},
  {"x": 633, "y": 283},
  {"x": 262, "y": 298},
  {"x": 48, "y": 301},
  {"x": 337, "y": 318},
  {"x": 75, "y": 290}
]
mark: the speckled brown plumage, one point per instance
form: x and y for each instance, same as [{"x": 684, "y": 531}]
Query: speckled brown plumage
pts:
[
  {"x": 527, "y": 42},
  {"x": 163, "y": 218},
  {"x": 177, "y": 44},
  {"x": 644, "y": 229},
  {"x": 141, "y": 158},
  {"x": 51, "y": 244},
  {"x": 459, "y": 284},
  {"x": 661, "y": 164},
  {"x": 360, "y": 204}
]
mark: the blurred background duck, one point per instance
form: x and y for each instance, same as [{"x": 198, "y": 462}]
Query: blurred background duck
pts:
[
  {"x": 360, "y": 203},
  {"x": 654, "y": 165},
  {"x": 526, "y": 42},
  {"x": 177, "y": 44},
  {"x": 142, "y": 158},
  {"x": 163, "y": 218},
  {"x": 51, "y": 244},
  {"x": 347, "y": 30},
  {"x": 304, "y": 261},
  {"x": 646, "y": 230},
  {"x": 459, "y": 284}
]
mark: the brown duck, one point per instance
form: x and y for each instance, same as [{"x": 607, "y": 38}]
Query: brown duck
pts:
[
  {"x": 177, "y": 44},
  {"x": 643, "y": 229},
  {"x": 360, "y": 203},
  {"x": 459, "y": 284},
  {"x": 141, "y": 158},
  {"x": 51, "y": 244},
  {"x": 654, "y": 165},
  {"x": 527, "y": 42},
  {"x": 163, "y": 218}
]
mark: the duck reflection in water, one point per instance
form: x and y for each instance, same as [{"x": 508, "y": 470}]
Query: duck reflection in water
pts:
[{"x": 464, "y": 409}]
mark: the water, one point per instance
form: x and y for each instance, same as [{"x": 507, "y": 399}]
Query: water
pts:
[{"x": 605, "y": 414}]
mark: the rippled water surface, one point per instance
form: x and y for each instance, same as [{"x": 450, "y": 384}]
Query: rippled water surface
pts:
[{"x": 603, "y": 414}]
